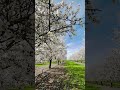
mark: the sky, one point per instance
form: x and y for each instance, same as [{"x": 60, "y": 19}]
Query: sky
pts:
[{"x": 75, "y": 43}]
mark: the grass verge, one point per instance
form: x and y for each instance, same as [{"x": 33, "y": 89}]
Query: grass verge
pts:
[{"x": 76, "y": 73}]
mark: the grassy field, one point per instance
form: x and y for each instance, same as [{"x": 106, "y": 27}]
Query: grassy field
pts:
[
  {"x": 45, "y": 63},
  {"x": 77, "y": 76},
  {"x": 40, "y": 64},
  {"x": 76, "y": 73}
]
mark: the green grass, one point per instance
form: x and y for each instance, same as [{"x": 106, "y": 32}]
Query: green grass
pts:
[
  {"x": 45, "y": 63},
  {"x": 89, "y": 86},
  {"x": 105, "y": 83},
  {"x": 76, "y": 72},
  {"x": 41, "y": 64},
  {"x": 77, "y": 76},
  {"x": 116, "y": 84}
]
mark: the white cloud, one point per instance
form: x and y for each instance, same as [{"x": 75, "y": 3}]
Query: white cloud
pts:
[
  {"x": 73, "y": 47},
  {"x": 69, "y": 44},
  {"x": 72, "y": 50}
]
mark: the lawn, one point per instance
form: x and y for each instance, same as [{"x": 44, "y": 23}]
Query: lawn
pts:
[
  {"x": 40, "y": 64},
  {"x": 76, "y": 74}
]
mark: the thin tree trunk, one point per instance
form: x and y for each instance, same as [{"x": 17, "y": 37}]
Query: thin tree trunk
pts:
[
  {"x": 101, "y": 83},
  {"x": 111, "y": 84},
  {"x": 58, "y": 62},
  {"x": 50, "y": 63}
]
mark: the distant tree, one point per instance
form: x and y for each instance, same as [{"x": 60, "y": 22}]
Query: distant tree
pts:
[{"x": 80, "y": 55}]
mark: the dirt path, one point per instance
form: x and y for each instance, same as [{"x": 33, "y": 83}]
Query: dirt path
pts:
[
  {"x": 39, "y": 70},
  {"x": 51, "y": 79}
]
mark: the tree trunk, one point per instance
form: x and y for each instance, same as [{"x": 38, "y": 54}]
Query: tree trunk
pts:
[
  {"x": 50, "y": 63},
  {"x": 58, "y": 62},
  {"x": 111, "y": 84},
  {"x": 101, "y": 83}
]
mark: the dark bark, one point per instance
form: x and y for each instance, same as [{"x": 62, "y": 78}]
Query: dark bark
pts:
[
  {"x": 101, "y": 83},
  {"x": 111, "y": 84},
  {"x": 50, "y": 63},
  {"x": 58, "y": 62}
]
